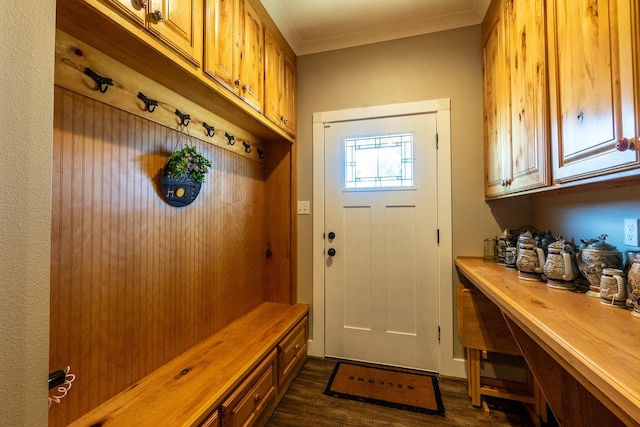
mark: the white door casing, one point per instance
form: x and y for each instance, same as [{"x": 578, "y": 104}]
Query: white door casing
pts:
[
  {"x": 381, "y": 303},
  {"x": 448, "y": 365}
]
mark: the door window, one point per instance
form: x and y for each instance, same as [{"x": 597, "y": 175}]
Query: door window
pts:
[{"x": 378, "y": 162}]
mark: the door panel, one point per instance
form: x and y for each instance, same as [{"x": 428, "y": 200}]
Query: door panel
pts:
[{"x": 380, "y": 304}]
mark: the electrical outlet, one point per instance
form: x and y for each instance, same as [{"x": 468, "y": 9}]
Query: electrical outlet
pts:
[
  {"x": 631, "y": 232},
  {"x": 304, "y": 207}
]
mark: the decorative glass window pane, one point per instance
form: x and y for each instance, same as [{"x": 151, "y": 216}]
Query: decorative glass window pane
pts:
[{"x": 378, "y": 162}]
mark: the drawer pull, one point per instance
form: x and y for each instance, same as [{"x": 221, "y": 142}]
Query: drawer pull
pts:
[
  {"x": 297, "y": 347},
  {"x": 258, "y": 397}
]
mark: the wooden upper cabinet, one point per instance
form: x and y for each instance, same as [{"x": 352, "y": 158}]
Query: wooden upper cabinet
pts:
[
  {"x": 222, "y": 41},
  {"x": 527, "y": 62},
  {"x": 497, "y": 132},
  {"x": 593, "y": 62},
  {"x": 234, "y": 45},
  {"x": 515, "y": 104},
  {"x": 178, "y": 23},
  {"x": 252, "y": 58},
  {"x": 134, "y": 10},
  {"x": 280, "y": 84}
]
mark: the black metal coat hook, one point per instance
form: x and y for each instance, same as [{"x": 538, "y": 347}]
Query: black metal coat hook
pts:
[
  {"x": 260, "y": 153},
  {"x": 247, "y": 146},
  {"x": 230, "y": 138},
  {"x": 150, "y": 104},
  {"x": 103, "y": 82},
  {"x": 210, "y": 129},
  {"x": 184, "y": 118}
]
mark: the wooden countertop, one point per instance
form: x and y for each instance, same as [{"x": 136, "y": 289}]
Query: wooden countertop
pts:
[{"x": 598, "y": 345}]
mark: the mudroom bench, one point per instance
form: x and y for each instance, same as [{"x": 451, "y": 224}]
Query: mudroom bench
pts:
[{"x": 235, "y": 377}]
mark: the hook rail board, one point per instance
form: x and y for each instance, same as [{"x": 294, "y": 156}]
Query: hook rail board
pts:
[{"x": 88, "y": 72}]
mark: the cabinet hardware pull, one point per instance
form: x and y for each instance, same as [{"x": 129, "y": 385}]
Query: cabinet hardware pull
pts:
[
  {"x": 624, "y": 144},
  {"x": 158, "y": 16},
  {"x": 245, "y": 88},
  {"x": 260, "y": 153},
  {"x": 297, "y": 347},
  {"x": 238, "y": 82},
  {"x": 258, "y": 397},
  {"x": 142, "y": 4},
  {"x": 247, "y": 147},
  {"x": 230, "y": 138}
]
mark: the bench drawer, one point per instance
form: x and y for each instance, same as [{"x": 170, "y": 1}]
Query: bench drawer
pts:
[
  {"x": 253, "y": 397},
  {"x": 292, "y": 350}
]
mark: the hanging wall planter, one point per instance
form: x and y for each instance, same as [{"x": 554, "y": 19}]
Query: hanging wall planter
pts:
[{"x": 183, "y": 176}]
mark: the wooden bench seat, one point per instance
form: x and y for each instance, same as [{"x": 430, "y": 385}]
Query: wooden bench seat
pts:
[{"x": 189, "y": 390}]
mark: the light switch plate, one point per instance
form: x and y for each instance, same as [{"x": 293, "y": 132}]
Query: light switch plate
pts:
[
  {"x": 631, "y": 232},
  {"x": 304, "y": 207}
]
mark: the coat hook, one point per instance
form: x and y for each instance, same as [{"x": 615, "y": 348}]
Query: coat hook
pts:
[
  {"x": 231, "y": 139},
  {"x": 150, "y": 104},
  {"x": 247, "y": 146},
  {"x": 260, "y": 153},
  {"x": 103, "y": 82},
  {"x": 210, "y": 129},
  {"x": 184, "y": 118}
]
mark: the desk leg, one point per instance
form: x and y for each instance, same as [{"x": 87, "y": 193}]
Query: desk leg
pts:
[
  {"x": 571, "y": 403},
  {"x": 473, "y": 372}
]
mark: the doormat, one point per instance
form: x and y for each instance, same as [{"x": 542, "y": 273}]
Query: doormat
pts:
[{"x": 416, "y": 392}]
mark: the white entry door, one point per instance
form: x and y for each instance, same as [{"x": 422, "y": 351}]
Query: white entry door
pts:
[{"x": 381, "y": 288}]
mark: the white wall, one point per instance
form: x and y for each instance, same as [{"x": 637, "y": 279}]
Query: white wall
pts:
[{"x": 27, "y": 31}]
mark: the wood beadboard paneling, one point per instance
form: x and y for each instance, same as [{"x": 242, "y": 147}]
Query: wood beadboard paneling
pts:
[{"x": 135, "y": 281}]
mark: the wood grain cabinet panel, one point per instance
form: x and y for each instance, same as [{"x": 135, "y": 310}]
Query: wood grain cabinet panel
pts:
[
  {"x": 234, "y": 49},
  {"x": 178, "y": 23},
  {"x": 515, "y": 80},
  {"x": 222, "y": 41},
  {"x": 280, "y": 84},
  {"x": 593, "y": 56}
]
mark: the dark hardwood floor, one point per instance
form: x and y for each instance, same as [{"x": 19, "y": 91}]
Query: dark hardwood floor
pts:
[{"x": 306, "y": 405}]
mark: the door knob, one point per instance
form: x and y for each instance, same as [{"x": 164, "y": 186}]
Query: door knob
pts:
[
  {"x": 331, "y": 235},
  {"x": 331, "y": 252}
]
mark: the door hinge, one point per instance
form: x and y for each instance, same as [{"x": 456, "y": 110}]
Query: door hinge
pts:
[{"x": 438, "y": 333}]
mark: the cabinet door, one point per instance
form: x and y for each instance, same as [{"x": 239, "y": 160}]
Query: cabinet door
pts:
[
  {"x": 222, "y": 41},
  {"x": 274, "y": 78},
  {"x": 134, "y": 10},
  {"x": 251, "y": 63},
  {"x": 288, "y": 107},
  {"x": 496, "y": 100},
  {"x": 178, "y": 23},
  {"x": 529, "y": 165},
  {"x": 592, "y": 78}
]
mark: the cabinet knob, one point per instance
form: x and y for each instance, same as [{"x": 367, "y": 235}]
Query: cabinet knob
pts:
[
  {"x": 284, "y": 120},
  {"x": 625, "y": 144},
  {"x": 141, "y": 3},
  {"x": 331, "y": 252},
  {"x": 297, "y": 347},
  {"x": 158, "y": 16},
  {"x": 245, "y": 87},
  {"x": 258, "y": 397},
  {"x": 238, "y": 82}
]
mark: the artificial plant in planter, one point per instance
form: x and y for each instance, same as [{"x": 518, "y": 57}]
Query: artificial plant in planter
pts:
[{"x": 183, "y": 175}]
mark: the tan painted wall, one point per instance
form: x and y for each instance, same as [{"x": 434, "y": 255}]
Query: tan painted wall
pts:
[
  {"x": 440, "y": 65},
  {"x": 26, "y": 118}
]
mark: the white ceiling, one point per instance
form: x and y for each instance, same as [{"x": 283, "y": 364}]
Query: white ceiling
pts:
[{"x": 312, "y": 26}]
